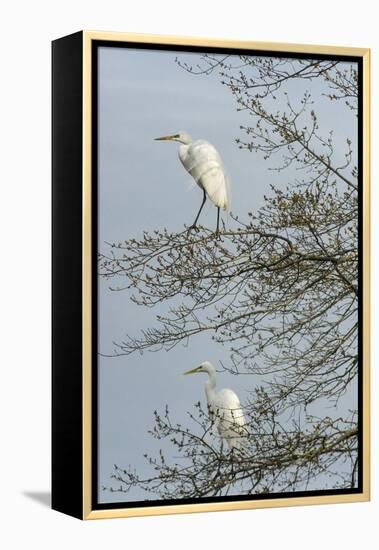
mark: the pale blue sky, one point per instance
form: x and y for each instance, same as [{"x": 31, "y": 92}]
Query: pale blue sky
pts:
[{"x": 142, "y": 186}]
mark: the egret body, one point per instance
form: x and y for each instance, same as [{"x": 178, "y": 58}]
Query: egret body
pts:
[
  {"x": 226, "y": 407},
  {"x": 203, "y": 163}
]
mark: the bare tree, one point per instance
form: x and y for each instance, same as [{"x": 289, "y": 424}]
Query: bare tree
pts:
[{"x": 279, "y": 292}]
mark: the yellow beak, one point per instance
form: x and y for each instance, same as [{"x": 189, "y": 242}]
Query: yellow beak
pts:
[
  {"x": 165, "y": 138},
  {"x": 192, "y": 371}
]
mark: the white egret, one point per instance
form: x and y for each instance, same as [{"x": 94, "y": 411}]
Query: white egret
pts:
[
  {"x": 226, "y": 407},
  {"x": 203, "y": 163}
]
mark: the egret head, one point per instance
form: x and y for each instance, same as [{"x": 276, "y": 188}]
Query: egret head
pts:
[
  {"x": 181, "y": 137},
  {"x": 204, "y": 367}
]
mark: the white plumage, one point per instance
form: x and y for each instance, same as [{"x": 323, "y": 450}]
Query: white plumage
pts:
[
  {"x": 226, "y": 407},
  {"x": 203, "y": 163}
]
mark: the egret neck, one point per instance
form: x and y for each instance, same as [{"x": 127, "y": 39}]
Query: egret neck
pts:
[{"x": 210, "y": 385}]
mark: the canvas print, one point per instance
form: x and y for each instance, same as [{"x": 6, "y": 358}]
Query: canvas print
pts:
[{"x": 228, "y": 360}]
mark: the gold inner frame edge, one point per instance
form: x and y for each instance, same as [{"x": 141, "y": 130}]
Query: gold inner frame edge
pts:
[{"x": 364, "y": 54}]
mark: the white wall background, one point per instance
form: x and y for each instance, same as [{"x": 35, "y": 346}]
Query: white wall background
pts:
[{"x": 27, "y": 28}]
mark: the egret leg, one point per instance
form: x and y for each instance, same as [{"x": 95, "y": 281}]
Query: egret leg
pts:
[
  {"x": 198, "y": 214},
  {"x": 218, "y": 221}
]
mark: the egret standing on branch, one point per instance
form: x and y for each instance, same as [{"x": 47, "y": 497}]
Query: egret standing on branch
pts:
[
  {"x": 226, "y": 407},
  {"x": 203, "y": 162}
]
